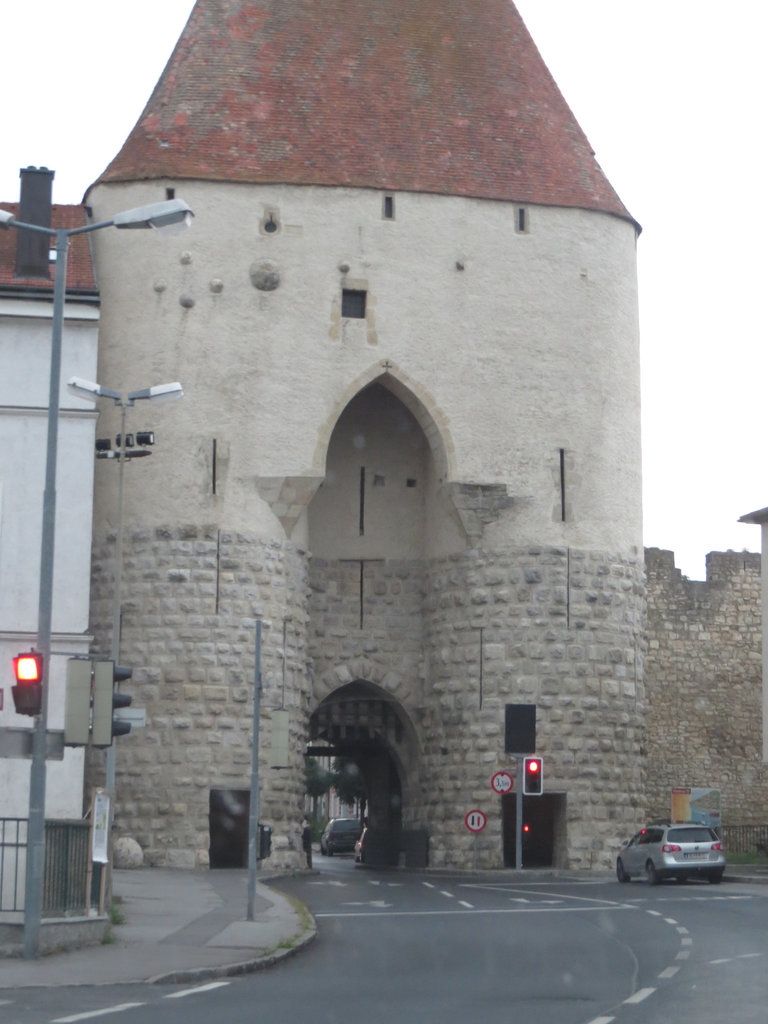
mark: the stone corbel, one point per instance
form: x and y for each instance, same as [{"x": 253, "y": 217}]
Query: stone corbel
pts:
[
  {"x": 288, "y": 496},
  {"x": 477, "y": 505}
]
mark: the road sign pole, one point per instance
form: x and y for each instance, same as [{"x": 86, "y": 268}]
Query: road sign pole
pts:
[{"x": 519, "y": 814}]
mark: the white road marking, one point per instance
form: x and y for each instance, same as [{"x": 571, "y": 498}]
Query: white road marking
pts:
[
  {"x": 601, "y": 1020},
  {"x": 640, "y": 995},
  {"x": 95, "y": 1013},
  {"x": 429, "y": 885},
  {"x": 681, "y": 930},
  {"x": 195, "y": 991},
  {"x": 730, "y": 959},
  {"x": 683, "y": 954},
  {"x": 493, "y": 910},
  {"x": 444, "y": 892},
  {"x": 669, "y": 972},
  {"x": 469, "y": 906},
  {"x": 670, "y": 920}
]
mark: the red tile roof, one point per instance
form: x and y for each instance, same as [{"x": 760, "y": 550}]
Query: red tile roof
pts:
[
  {"x": 80, "y": 276},
  {"x": 440, "y": 96}
]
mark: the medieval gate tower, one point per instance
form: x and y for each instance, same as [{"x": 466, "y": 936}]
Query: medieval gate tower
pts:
[{"x": 405, "y": 320}]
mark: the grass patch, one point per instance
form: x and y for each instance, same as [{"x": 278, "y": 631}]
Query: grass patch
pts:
[
  {"x": 116, "y": 916},
  {"x": 755, "y": 859}
]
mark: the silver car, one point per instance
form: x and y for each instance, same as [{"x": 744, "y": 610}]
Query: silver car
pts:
[{"x": 672, "y": 851}]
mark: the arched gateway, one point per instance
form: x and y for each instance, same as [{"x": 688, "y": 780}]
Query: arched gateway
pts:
[{"x": 409, "y": 443}]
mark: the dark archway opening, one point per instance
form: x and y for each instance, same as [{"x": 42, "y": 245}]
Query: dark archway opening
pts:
[
  {"x": 364, "y": 724},
  {"x": 542, "y": 819}
]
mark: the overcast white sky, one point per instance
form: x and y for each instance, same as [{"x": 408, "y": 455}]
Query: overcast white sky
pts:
[{"x": 671, "y": 94}]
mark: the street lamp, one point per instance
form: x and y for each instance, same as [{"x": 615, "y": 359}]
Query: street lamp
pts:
[
  {"x": 157, "y": 393},
  {"x": 171, "y": 215}
]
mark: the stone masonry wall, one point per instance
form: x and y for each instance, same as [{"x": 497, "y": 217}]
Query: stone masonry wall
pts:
[
  {"x": 560, "y": 629},
  {"x": 191, "y": 599},
  {"x": 704, "y": 680}
]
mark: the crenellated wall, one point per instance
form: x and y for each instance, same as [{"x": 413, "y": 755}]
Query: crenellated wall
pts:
[{"x": 704, "y": 684}]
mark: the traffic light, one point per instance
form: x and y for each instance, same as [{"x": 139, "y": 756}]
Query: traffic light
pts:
[
  {"x": 533, "y": 776},
  {"x": 28, "y": 691},
  {"x": 77, "y": 706},
  {"x": 106, "y": 700}
]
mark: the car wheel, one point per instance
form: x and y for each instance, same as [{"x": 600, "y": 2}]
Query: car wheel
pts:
[
  {"x": 716, "y": 877},
  {"x": 621, "y": 874},
  {"x": 651, "y": 873}
]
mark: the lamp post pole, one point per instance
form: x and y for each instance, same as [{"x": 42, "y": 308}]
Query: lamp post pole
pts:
[{"x": 159, "y": 215}]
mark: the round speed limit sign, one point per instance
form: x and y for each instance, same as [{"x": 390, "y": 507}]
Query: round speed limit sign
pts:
[
  {"x": 502, "y": 782},
  {"x": 475, "y": 821}
]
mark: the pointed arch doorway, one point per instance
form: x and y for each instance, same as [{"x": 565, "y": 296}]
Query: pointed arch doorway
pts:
[{"x": 363, "y": 723}]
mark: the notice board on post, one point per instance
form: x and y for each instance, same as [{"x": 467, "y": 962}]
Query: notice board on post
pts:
[{"x": 519, "y": 728}]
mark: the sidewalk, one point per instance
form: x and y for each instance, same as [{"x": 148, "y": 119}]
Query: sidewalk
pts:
[{"x": 180, "y": 926}]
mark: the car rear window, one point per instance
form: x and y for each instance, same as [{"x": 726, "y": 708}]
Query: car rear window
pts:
[
  {"x": 691, "y": 835},
  {"x": 346, "y": 826}
]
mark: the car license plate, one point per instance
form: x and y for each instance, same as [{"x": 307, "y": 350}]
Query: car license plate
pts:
[{"x": 694, "y": 856}]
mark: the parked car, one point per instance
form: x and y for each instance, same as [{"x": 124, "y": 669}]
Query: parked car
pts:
[
  {"x": 672, "y": 851},
  {"x": 340, "y": 836},
  {"x": 360, "y": 848}
]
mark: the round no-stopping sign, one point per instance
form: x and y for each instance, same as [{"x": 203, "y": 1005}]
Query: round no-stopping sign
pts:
[
  {"x": 502, "y": 782},
  {"x": 475, "y": 821}
]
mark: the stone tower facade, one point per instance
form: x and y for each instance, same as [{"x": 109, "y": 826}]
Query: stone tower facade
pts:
[{"x": 405, "y": 320}]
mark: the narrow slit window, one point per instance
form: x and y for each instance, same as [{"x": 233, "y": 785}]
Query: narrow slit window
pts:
[
  {"x": 521, "y": 220},
  {"x": 389, "y": 207},
  {"x": 170, "y": 193},
  {"x": 353, "y": 303}
]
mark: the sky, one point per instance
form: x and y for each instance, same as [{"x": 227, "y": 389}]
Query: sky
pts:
[{"x": 669, "y": 92}]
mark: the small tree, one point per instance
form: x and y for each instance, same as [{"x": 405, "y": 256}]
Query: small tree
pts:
[
  {"x": 348, "y": 782},
  {"x": 318, "y": 781}
]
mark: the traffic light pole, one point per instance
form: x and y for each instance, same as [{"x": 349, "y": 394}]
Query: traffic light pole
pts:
[
  {"x": 33, "y": 886},
  {"x": 117, "y": 596},
  {"x": 519, "y": 761}
]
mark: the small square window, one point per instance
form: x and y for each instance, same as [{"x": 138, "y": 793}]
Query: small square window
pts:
[{"x": 353, "y": 303}]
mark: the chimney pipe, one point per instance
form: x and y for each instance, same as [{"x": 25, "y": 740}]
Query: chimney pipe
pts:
[{"x": 33, "y": 249}]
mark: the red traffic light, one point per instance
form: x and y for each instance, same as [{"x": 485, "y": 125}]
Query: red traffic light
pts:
[
  {"x": 533, "y": 776},
  {"x": 28, "y": 668},
  {"x": 28, "y": 691}
]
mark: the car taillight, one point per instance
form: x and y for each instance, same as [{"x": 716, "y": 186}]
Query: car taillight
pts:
[
  {"x": 716, "y": 846},
  {"x": 671, "y": 848}
]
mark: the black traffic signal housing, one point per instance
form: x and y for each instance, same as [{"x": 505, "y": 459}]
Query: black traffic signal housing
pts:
[
  {"x": 28, "y": 691},
  {"x": 106, "y": 700},
  {"x": 533, "y": 776}
]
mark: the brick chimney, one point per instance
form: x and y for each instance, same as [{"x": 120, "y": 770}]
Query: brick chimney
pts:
[{"x": 33, "y": 249}]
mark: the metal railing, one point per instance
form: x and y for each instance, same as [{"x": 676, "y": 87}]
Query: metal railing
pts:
[
  {"x": 745, "y": 839},
  {"x": 65, "y": 872},
  {"x": 13, "y": 857}
]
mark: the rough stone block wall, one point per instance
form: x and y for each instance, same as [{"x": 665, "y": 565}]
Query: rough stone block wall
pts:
[
  {"x": 191, "y": 599},
  {"x": 704, "y": 681},
  {"x": 560, "y": 629}
]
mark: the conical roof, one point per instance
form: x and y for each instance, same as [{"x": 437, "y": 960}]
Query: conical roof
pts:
[{"x": 441, "y": 96}]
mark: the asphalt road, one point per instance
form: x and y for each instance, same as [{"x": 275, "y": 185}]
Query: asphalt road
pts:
[{"x": 397, "y": 947}]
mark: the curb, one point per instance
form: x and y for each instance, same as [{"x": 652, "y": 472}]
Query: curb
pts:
[{"x": 259, "y": 963}]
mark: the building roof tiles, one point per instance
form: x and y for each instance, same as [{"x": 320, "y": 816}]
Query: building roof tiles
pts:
[
  {"x": 80, "y": 275},
  {"x": 440, "y": 96}
]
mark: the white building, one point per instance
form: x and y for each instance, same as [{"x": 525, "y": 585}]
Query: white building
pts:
[{"x": 26, "y": 306}]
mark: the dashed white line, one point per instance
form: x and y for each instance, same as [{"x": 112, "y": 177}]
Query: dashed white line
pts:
[
  {"x": 601, "y": 1020},
  {"x": 444, "y": 892},
  {"x": 469, "y": 906},
  {"x": 669, "y": 972},
  {"x": 95, "y": 1013},
  {"x": 640, "y": 995},
  {"x": 196, "y": 991}
]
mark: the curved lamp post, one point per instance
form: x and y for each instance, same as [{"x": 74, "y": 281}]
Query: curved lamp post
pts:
[{"x": 169, "y": 216}]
